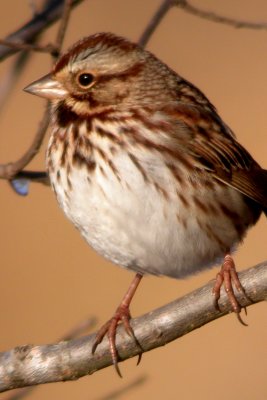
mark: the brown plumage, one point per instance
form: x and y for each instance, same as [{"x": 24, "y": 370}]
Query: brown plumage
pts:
[{"x": 145, "y": 168}]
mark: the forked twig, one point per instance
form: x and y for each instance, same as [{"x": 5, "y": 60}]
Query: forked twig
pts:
[
  {"x": 41, "y": 21},
  {"x": 12, "y": 169},
  {"x": 36, "y": 25}
]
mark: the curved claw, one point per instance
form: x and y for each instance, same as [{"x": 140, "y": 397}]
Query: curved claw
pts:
[
  {"x": 229, "y": 278},
  {"x": 241, "y": 320},
  {"x": 100, "y": 335},
  {"x": 111, "y": 332},
  {"x": 110, "y": 327},
  {"x": 139, "y": 358}
]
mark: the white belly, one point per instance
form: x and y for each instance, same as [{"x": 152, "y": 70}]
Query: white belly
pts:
[{"x": 142, "y": 225}]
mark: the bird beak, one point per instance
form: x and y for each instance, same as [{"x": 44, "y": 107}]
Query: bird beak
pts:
[{"x": 47, "y": 87}]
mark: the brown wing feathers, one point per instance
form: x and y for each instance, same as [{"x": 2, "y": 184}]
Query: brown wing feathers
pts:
[{"x": 215, "y": 149}]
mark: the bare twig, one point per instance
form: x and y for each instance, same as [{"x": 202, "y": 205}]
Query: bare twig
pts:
[
  {"x": 155, "y": 21},
  {"x": 9, "y": 171},
  {"x": 11, "y": 76},
  {"x": 8, "y": 82},
  {"x": 35, "y": 26},
  {"x": 84, "y": 326},
  {"x": 31, "y": 365},
  {"x": 49, "y": 48},
  {"x": 209, "y": 15},
  {"x": 64, "y": 23},
  {"x": 52, "y": 12},
  {"x": 34, "y": 176}
]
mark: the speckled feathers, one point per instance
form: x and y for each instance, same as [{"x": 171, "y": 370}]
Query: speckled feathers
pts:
[{"x": 142, "y": 163}]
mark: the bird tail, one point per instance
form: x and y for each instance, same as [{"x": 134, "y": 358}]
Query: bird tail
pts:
[{"x": 264, "y": 186}]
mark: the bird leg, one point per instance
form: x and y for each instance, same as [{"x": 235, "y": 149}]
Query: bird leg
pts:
[
  {"x": 229, "y": 278},
  {"x": 122, "y": 314}
]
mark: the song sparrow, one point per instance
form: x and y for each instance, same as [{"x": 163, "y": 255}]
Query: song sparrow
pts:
[{"x": 145, "y": 168}]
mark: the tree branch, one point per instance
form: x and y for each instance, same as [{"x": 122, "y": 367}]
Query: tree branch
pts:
[
  {"x": 11, "y": 170},
  {"x": 211, "y": 16},
  {"x": 69, "y": 360},
  {"x": 52, "y": 12},
  {"x": 82, "y": 327},
  {"x": 35, "y": 26},
  {"x": 63, "y": 23},
  {"x": 49, "y": 48},
  {"x": 155, "y": 21}
]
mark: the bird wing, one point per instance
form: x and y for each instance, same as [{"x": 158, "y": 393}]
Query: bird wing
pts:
[{"x": 214, "y": 148}]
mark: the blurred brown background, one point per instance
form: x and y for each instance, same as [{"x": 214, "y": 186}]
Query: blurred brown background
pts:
[{"x": 50, "y": 279}]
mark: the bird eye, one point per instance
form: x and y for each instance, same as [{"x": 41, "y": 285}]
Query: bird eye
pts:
[{"x": 85, "y": 79}]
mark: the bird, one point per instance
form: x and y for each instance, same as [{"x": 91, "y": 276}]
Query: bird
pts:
[{"x": 145, "y": 168}]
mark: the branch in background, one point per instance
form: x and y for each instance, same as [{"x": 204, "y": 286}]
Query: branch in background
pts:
[
  {"x": 49, "y": 48},
  {"x": 11, "y": 77},
  {"x": 166, "y": 5},
  {"x": 11, "y": 170},
  {"x": 50, "y": 8},
  {"x": 36, "y": 25},
  {"x": 155, "y": 21},
  {"x": 64, "y": 23},
  {"x": 52, "y": 12},
  {"x": 211, "y": 16},
  {"x": 32, "y": 365},
  {"x": 29, "y": 365}
]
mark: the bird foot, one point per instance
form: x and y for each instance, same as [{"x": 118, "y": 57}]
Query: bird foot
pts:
[
  {"x": 109, "y": 329},
  {"x": 122, "y": 315},
  {"x": 229, "y": 278}
]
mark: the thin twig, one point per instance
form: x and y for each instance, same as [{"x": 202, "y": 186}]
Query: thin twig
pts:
[
  {"x": 35, "y": 26},
  {"x": 8, "y": 82},
  {"x": 7, "y": 171},
  {"x": 212, "y": 16},
  {"x": 32, "y": 365},
  {"x": 49, "y": 48},
  {"x": 34, "y": 176},
  {"x": 10, "y": 170},
  {"x": 155, "y": 21},
  {"x": 63, "y": 24}
]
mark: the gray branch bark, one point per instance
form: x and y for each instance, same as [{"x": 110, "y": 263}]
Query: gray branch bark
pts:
[{"x": 69, "y": 360}]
